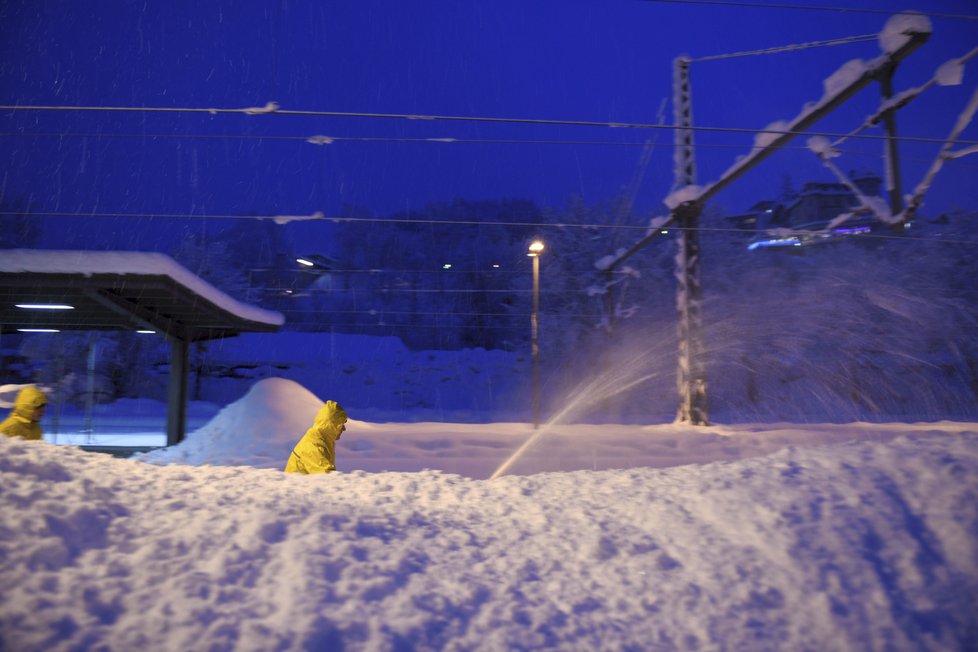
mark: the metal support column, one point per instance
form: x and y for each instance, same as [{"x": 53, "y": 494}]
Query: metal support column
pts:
[
  {"x": 691, "y": 371},
  {"x": 691, "y": 368},
  {"x": 891, "y": 156},
  {"x": 535, "y": 343},
  {"x": 90, "y": 388},
  {"x": 176, "y": 405}
]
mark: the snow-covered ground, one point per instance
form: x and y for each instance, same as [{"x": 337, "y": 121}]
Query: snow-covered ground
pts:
[{"x": 755, "y": 537}]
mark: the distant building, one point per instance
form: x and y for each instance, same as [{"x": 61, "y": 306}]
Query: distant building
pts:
[
  {"x": 819, "y": 202},
  {"x": 765, "y": 214},
  {"x": 811, "y": 209}
]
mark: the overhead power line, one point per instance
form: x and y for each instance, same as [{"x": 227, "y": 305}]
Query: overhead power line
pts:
[
  {"x": 457, "y": 118},
  {"x": 388, "y": 290},
  {"x": 307, "y": 139},
  {"x": 436, "y": 140},
  {"x": 408, "y": 220},
  {"x": 309, "y": 326},
  {"x": 284, "y": 219},
  {"x": 377, "y": 312},
  {"x": 790, "y": 48},
  {"x": 274, "y": 109},
  {"x": 842, "y": 10},
  {"x": 441, "y": 270}
]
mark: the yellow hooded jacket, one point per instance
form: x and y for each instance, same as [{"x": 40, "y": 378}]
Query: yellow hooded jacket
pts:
[
  {"x": 20, "y": 423},
  {"x": 315, "y": 452}
]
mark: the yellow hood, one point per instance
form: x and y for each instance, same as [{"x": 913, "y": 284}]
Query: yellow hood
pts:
[
  {"x": 329, "y": 420},
  {"x": 316, "y": 451},
  {"x": 28, "y": 400}
]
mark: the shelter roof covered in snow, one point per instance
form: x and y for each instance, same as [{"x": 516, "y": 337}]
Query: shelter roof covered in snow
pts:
[{"x": 111, "y": 290}]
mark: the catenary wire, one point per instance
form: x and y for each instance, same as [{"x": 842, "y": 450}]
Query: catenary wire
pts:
[
  {"x": 434, "y": 140},
  {"x": 543, "y": 225},
  {"x": 301, "y": 291},
  {"x": 379, "y": 139},
  {"x": 380, "y": 312},
  {"x": 845, "y": 10},
  {"x": 328, "y": 328},
  {"x": 456, "y": 118},
  {"x": 322, "y": 218},
  {"x": 789, "y": 48},
  {"x": 437, "y": 140}
]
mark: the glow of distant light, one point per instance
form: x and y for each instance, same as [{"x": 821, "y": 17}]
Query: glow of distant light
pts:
[
  {"x": 147, "y": 332},
  {"x": 777, "y": 242},
  {"x": 446, "y": 266},
  {"x": 853, "y": 229},
  {"x": 44, "y": 306},
  {"x": 38, "y": 330},
  {"x": 303, "y": 261}
]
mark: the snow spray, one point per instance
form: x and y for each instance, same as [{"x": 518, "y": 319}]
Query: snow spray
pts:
[{"x": 604, "y": 386}]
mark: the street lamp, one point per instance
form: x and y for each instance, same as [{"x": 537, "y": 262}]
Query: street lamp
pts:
[{"x": 536, "y": 248}]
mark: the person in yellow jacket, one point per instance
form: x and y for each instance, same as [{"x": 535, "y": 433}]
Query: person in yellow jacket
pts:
[
  {"x": 315, "y": 452},
  {"x": 25, "y": 419}
]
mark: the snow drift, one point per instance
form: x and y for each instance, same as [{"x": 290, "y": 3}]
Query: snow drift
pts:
[{"x": 849, "y": 547}]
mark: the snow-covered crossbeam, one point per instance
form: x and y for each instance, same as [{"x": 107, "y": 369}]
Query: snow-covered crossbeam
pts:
[
  {"x": 901, "y": 35},
  {"x": 130, "y": 263}
]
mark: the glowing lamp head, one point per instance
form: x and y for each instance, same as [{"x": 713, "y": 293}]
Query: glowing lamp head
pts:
[{"x": 536, "y": 247}]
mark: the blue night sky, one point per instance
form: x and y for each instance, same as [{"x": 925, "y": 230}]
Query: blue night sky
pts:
[{"x": 532, "y": 59}]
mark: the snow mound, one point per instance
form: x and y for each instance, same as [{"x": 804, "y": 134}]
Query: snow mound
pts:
[
  {"x": 259, "y": 429},
  {"x": 860, "y": 546}
]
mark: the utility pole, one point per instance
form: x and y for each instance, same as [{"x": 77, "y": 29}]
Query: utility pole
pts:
[
  {"x": 691, "y": 376},
  {"x": 536, "y": 248},
  {"x": 891, "y": 157},
  {"x": 691, "y": 371}
]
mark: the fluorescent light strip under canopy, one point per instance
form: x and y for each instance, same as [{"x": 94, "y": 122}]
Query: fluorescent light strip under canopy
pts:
[{"x": 44, "y": 306}]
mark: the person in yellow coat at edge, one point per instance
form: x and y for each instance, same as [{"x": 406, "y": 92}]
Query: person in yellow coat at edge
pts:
[
  {"x": 25, "y": 419},
  {"x": 315, "y": 452}
]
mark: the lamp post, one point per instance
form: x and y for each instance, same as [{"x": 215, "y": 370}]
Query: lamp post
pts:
[{"x": 536, "y": 248}]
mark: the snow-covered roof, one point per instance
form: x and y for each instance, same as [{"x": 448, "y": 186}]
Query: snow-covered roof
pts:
[{"x": 131, "y": 266}]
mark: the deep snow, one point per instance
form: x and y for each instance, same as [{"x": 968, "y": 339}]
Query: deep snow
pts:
[{"x": 805, "y": 544}]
